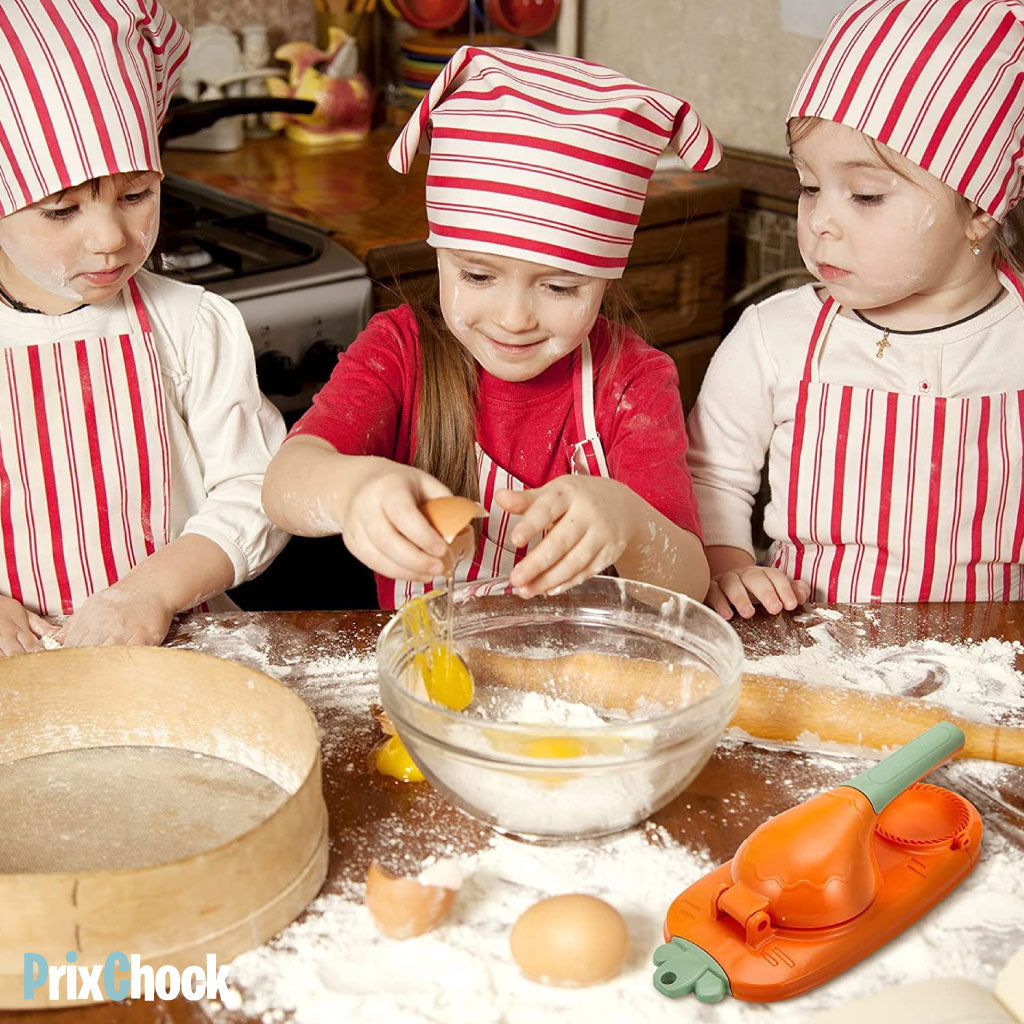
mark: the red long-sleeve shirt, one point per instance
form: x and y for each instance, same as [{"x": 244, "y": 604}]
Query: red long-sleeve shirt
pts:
[{"x": 369, "y": 407}]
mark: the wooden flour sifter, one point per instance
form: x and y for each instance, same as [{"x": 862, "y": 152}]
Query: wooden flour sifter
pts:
[{"x": 820, "y": 886}]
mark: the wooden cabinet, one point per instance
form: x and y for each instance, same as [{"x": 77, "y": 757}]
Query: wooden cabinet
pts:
[{"x": 676, "y": 272}]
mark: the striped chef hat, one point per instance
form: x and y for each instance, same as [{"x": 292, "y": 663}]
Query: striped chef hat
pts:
[
  {"x": 84, "y": 86},
  {"x": 543, "y": 157},
  {"x": 939, "y": 81}
]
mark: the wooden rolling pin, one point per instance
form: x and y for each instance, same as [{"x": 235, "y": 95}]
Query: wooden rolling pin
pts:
[{"x": 770, "y": 708}]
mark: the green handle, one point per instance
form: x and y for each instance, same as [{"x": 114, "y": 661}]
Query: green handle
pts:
[{"x": 887, "y": 779}]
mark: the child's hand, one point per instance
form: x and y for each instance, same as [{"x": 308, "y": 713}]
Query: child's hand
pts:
[
  {"x": 21, "y": 629},
  {"x": 770, "y": 587},
  {"x": 136, "y": 616},
  {"x": 590, "y": 522},
  {"x": 385, "y": 529}
]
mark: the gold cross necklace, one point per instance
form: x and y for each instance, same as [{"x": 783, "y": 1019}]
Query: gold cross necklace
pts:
[{"x": 883, "y": 342}]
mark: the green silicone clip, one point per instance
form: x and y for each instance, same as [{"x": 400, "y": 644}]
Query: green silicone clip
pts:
[
  {"x": 887, "y": 779},
  {"x": 683, "y": 967}
]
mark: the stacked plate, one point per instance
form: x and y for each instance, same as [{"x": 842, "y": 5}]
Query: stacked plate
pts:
[{"x": 422, "y": 56}]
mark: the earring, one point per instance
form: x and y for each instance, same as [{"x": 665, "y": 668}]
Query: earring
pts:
[{"x": 975, "y": 246}]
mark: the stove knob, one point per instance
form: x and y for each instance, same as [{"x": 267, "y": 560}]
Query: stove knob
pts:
[
  {"x": 320, "y": 359},
  {"x": 277, "y": 373}
]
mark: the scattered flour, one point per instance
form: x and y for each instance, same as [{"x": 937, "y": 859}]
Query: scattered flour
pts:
[
  {"x": 334, "y": 967},
  {"x": 975, "y": 679}
]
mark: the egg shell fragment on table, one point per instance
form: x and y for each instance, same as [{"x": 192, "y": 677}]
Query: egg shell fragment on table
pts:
[
  {"x": 573, "y": 941},
  {"x": 405, "y": 907}
]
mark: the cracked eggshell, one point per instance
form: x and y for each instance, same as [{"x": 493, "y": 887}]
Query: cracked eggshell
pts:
[
  {"x": 573, "y": 941},
  {"x": 451, "y": 517},
  {"x": 405, "y": 907}
]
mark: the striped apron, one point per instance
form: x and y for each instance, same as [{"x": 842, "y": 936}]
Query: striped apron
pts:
[
  {"x": 904, "y": 497},
  {"x": 494, "y": 555},
  {"x": 84, "y": 463}
]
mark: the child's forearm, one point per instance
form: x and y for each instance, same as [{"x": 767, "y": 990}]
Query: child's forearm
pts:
[
  {"x": 722, "y": 558},
  {"x": 183, "y": 574},
  {"x": 307, "y": 485},
  {"x": 664, "y": 554}
]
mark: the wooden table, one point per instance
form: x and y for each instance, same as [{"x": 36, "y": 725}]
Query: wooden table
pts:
[{"x": 359, "y": 801}]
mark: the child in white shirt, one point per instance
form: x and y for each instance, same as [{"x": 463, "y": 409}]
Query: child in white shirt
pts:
[
  {"x": 133, "y": 437},
  {"x": 889, "y": 399}
]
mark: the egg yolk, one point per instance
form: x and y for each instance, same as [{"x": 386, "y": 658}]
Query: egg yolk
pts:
[
  {"x": 393, "y": 759},
  {"x": 553, "y": 746},
  {"x": 446, "y": 677}
]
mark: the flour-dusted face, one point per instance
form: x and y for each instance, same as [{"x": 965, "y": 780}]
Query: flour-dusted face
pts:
[
  {"x": 515, "y": 317},
  {"x": 894, "y": 245},
  {"x": 81, "y": 245}
]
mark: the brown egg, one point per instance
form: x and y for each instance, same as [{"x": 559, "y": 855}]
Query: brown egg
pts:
[
  {"x": 451, "y": 518},
  {"x": 404, "y": 907},
  {"x": 573, "y": 941}
]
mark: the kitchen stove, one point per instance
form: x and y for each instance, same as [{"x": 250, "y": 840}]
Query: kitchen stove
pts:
[{"x": 303, "y": 297}]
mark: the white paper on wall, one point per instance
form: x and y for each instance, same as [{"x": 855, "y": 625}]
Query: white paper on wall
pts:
[{"x": 810, "y": 17}]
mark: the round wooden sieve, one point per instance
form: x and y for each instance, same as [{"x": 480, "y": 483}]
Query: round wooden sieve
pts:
[{"x": 243, "y": 850}]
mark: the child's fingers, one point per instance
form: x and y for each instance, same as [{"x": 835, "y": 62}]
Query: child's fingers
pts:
[
  {"x": 763, "y": 587},
  {"x": 547, "y": 506},
  {"x": 558, "y": 577},
  {"x": 413, "y": 527},
  {"x": 735, "y": 592},
  {"x": 516, "y": 502},
  {"x": 40, "y": 626},
  {"x": 584, "y": 560},
  {"x": 551, "y": 551},
  {"x": 786, "y": 592},
  {"x": 387, "y": 551},
  {"x": 717, "y": 600},
  {"x": 602, "y": 560},
  {"x": 20, "y": 641}
]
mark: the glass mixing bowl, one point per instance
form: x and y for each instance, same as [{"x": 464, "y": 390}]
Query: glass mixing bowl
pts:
[{"x": 591, "y": 709}]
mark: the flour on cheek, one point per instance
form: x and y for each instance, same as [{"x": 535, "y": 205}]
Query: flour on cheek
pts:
[{"x": 38, "y": 265}]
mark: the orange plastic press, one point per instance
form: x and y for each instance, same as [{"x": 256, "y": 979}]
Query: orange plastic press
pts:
[{"x": 820, "y": 886}]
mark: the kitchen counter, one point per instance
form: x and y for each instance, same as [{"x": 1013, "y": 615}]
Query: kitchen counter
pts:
[{"x": 742, "y": 785}]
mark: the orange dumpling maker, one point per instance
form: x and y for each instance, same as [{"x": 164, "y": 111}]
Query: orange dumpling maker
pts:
[{"x": 820, "y": 886}]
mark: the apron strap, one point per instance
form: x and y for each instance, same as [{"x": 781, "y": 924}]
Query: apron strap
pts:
[
  {"x": 583, "y": 391},
  {"x": 589, "y": 446},
  {"x": 136, "y": 308},
  {"x": 829, "y": 308}
]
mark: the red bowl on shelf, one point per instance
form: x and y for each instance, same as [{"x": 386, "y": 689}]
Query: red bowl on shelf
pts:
[
  {"x": 431, "y": 14},
  {"x": 523, "y": 17}
]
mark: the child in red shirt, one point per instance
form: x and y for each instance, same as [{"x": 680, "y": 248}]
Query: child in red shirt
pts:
[{"x": 509, "y": 385}]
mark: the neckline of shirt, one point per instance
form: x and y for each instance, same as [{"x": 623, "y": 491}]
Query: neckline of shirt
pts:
[
  {"x": 942, "y": 336},
  {"x": 522, "y": 392},
  {"x": 61, "y": 323}
]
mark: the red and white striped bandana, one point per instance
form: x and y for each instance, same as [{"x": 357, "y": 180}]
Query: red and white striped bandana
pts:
[
  {"x": 544, "y": 158},
  {"x": 939, "y": 81},
  {"x": 84, "y": 86}
]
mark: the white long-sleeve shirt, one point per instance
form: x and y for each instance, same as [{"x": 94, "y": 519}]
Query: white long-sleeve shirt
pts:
[
  {"x": 746, "y": 407},
  {"x": 221, "y": 431}
]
